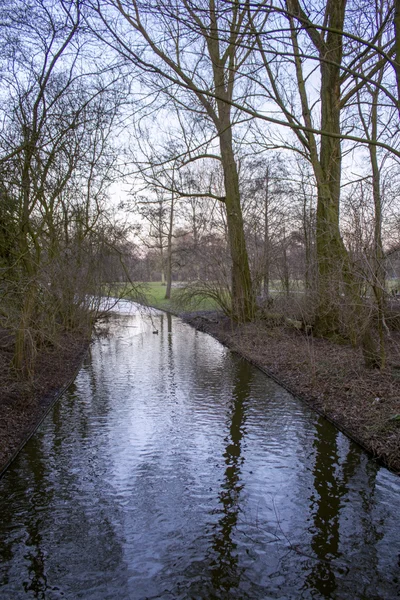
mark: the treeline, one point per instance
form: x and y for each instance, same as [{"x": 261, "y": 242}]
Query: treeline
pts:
[
  {"x": 240, "y": 82},
  {"x": 259, "y": 141},
  {"x": 59, "y": 243}
]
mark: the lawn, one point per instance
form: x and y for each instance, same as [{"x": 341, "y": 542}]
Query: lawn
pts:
[{"x": 153, "y": 294}]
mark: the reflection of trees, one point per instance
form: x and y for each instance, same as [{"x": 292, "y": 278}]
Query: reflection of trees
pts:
[
  {"x": 161, "y": 326},
  {"x": 325, "y": 507},
  {"x": 224, "y": 572},
  {"x": 34, "y": 557},
  {"x": 168, "y": 381},
  {"x": 169, "y": 322},
  {"x": 331, "y": 484},
  {"x": 170, "y": 360},
  {"x": 42, "y": 495},
  {"x": 56, "y": 480},
  {"x": 366, "y": 528}
]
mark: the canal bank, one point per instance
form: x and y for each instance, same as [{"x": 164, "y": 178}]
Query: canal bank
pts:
[
  {"x": 331, "y": 378},
  {"x": 174, "y": 469},
  {"x": 24, "y": 404}
]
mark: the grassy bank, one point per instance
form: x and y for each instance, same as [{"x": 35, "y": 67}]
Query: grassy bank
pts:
[{"x": 153, "y": 294}]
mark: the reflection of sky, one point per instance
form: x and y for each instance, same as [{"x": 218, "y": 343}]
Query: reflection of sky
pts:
[{"x": 173, "y": 469}]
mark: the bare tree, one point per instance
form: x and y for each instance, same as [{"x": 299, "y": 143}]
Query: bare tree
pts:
[
  {"x": 194, "y": 58},
  {"x": 315, "y": 46},
  {"x": 54, "y": 152}
]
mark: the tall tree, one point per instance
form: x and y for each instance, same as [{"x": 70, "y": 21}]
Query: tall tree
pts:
[
  {"x": 56, "y": 114},
  {"x": 193, "y": 53},
  {"x": 331, "y": 253},
  {"x": 316, "y": 37}
]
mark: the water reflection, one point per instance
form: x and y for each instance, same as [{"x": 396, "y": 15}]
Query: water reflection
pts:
[
  {"x": 225, "y": 571},
  {"x": 36, "y": 581},
  {"x": 336, "y": 530},
  {"x": 169, "y": 322},
  {"x": 325, "y": 509},
  {"x": 172, "y": 469}
]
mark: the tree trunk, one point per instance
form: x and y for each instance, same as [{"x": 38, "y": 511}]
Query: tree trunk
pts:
[
  {"x": 379, "y": 272},
  {"x": 285, "y": 276},
  {"x": 330, "y": 257},
  {"x": 306, "y": 222},
  {"x": 397, "y": 48},
  {"x": 162, "y": 267},
  {"x": 333, "y": 264},
  {"x": 335, "y": 276},
  {"x": 195, "y": 244},
  {"x": 169, "y": 251},
  {"x": 24, "y": 344},
  {"x": 224, "y": 71},
  {"x": 376, "y": 358},
  {"x": 330, "y": 249},
  {"x": 243, "y": 300},
  {"x": 266, "y": 237}
]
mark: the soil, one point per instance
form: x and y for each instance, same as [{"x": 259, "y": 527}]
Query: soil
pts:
[
  {"x": 331, "y": 378},
  {"x": 23, "y": 404}
]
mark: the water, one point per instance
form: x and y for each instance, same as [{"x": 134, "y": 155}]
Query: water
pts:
[{"x": 173, "y": 469}]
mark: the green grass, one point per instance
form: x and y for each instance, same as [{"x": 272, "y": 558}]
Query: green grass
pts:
[
  {"x": 276, "y": 285},
  {"x": 153, "y": 294},
  {"x": 393, "y": 284}
]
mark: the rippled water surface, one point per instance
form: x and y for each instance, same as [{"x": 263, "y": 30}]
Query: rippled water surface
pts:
[{"x": 172, "y": 469}]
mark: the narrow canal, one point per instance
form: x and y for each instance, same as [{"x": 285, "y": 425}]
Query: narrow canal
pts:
[{"x": 174, "y": 470}]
